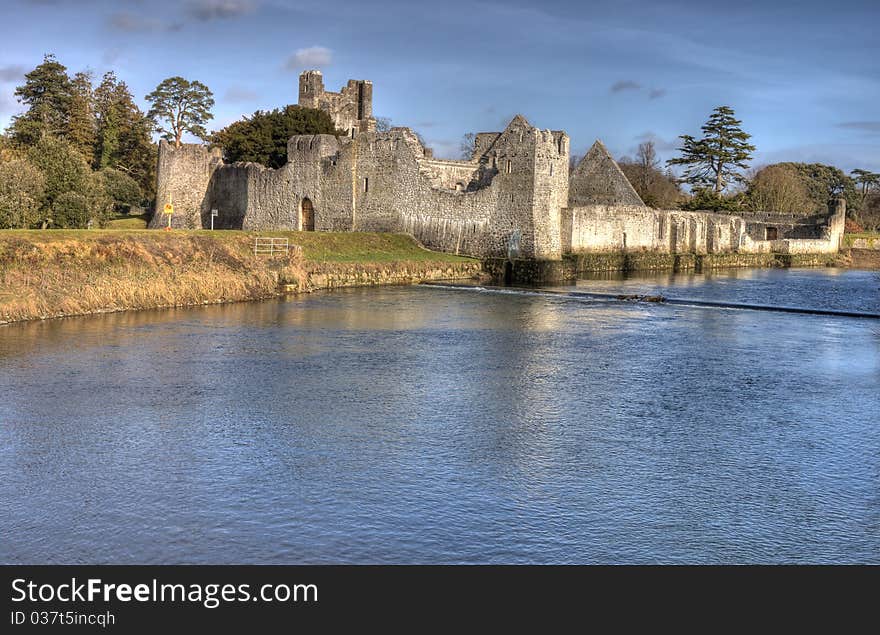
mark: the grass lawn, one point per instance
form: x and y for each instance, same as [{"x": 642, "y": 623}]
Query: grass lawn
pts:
[
  {"x": 342, "y": 247},
  {"x": 128, "y": 221}
]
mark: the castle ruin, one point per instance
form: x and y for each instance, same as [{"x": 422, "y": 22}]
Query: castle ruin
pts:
[{"x": 513, "y": 196}]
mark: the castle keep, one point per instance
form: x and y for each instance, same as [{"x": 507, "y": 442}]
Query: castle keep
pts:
[{"x": 513, "y": 196}]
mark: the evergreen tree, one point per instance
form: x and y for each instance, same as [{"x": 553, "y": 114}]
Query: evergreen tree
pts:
[
  {"x": 47, "y": 93},
  {"x": 713, "y": 160},
  {"x": 178, "y": 106},
  {"x": 263, "y": 136},
  {"x": 80, "y": 129},
  {"x": 123, "y": 139},
  {"x": 866, "y": 179},
  {"x": 108, "y": 116}
]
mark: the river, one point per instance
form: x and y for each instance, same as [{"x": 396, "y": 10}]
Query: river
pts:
[{"x": 434, "y": 425}]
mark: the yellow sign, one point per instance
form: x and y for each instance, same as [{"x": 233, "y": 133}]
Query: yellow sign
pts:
[{"x": 169, "y": 209}]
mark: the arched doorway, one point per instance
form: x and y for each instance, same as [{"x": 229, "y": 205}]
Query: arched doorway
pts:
[{"x": 307, "y": 216}]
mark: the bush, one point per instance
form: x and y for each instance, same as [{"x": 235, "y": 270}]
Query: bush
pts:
[
  {"x": 122, "y": 190},
  {"x": 63, "y": 167},
  {"x": 21, "y": 189},
  {"x": 707, "y": 199},
  {"x": 71, "y": 211}
]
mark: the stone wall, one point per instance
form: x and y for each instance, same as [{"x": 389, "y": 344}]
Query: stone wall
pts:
[
  {"x": 351, "y": 108},
  {"x": 183, "y": 178},
  {"x": 514, "y": 197},
  {"x": 383, "y": 181},
  {"x": 605, "y": 228},
  {"x": 597, "y": 179},
  {"x": 609, "y": 228}
]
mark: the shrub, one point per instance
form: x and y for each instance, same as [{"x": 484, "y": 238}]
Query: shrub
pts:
[
  {"x": 63, "y": 167},
  {"x": 21, "y": 189},
  {"x": 71, "y": 211},
  {"x": 122, "y": 190}
]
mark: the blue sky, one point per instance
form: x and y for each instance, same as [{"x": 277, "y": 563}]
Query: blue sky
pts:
[{"x": 803, "y": 76}]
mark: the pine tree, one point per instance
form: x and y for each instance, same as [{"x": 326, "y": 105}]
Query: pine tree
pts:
[
  {"x": 124, "y": 141},
  {"x": 107, "y": 116},
  {"x": 80, "y": 130},
  {"x": 713, "y": 160},
  {"x": 47, "y": 93},
  {"x": 178, "y": 106},
  {"x": 866, "y": 180}
]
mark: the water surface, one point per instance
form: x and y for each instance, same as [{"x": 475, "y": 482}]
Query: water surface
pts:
[{"x": 425, "y": 425}]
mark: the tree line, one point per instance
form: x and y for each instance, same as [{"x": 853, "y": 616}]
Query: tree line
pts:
[
  {"x": 717, "y": 169},
  {"x": 82, "y": 149}
]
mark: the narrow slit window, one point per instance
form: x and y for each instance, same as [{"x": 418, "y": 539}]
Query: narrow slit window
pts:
[
  {"x": 366, "y": 184},
  {"x": 508, "y": 166}
]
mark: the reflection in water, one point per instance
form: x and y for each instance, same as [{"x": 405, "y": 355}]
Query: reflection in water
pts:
[{"x": 432, "y": 425}]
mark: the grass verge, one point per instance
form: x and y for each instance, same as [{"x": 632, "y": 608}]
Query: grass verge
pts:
[{"x": 55, "y": 273}]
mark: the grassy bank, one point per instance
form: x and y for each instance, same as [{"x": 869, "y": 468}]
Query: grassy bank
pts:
[{"x": 59, "y": 272}]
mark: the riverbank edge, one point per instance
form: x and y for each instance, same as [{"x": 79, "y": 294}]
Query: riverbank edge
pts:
[
  {"x": 51, "y": 275},
  {"x": 89, "y": 273}
]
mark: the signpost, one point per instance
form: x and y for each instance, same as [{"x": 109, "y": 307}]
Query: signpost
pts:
[
  {"x": 168, "y": 210},
  {"x": 214, "y": 213}
]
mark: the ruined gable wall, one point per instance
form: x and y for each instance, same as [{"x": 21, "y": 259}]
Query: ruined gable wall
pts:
[
  {"x": 183, "y": 177},
  {"x": 598, "y": 180}
]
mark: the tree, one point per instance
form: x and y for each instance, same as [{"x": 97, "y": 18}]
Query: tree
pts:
[
  {"x": 179, "y": 106},
  {"x": 64, "y": 169},
  {"x": 263, "y": 136},
  {"x": 825, "y": 183},
  {"x": 80, "y": 129},
  {"x": 867, "y": 180},
  {"x": 870, "y": 214},
  {"x": 383, "y": 124},
  {"x": 122, "y": 191},
  {"x": 779, "y": 188},
  {"x": 656, "y": 188},
  {"x": 706, "y": 198},
  {"x": 21, "y": 190},
  {"x": 713, "y": 160},
  {"x": 47, "y": 94},
  {"x": 71, "y": 211},
  {"x": 123, "y": 134},
  {"x": 467, "y": 146}
]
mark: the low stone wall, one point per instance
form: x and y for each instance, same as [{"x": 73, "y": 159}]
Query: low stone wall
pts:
[
  {"x": 526, "y": 272},
  {"x": 866, "y": 243},
  {"x": 370, "y": 276},
  {"x": 864, "y": 258}
]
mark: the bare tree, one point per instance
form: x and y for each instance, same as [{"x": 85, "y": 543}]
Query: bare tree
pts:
[{"x": 466, "y": 148}]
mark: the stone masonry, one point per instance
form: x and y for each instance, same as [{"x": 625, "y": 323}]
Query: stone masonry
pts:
[
  {"x": 513, "y": 197},
  {"x": 351, "y": 108}
]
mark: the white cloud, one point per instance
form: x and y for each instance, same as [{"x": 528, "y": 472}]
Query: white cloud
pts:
[{"x": 312, "y": 57}]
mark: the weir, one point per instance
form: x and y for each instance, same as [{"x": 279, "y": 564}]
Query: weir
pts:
[{"x": 654, "y": 299}]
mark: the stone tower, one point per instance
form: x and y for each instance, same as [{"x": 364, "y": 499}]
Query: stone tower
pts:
[{"x": 351, "y": 109}]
